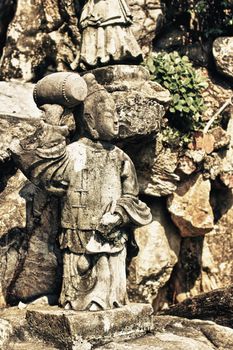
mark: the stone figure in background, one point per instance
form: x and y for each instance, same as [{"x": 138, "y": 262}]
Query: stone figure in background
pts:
[
  {"x": 96, "y": 183},
  {"x": 106, "y": 34}
]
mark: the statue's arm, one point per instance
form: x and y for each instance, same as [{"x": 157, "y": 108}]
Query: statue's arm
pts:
[
  {"x": 129, "y": 207},
  {"x": 42, "y": 156}
]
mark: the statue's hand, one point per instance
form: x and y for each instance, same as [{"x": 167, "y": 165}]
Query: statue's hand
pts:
[{"x": 108, "y": 222}]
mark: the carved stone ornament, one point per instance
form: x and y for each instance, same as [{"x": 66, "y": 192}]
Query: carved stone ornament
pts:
[{"x": 95, "y": 182}]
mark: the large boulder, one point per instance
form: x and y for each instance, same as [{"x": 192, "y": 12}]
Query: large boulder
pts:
[
  {"x": 140, "y": 103},
  {"x": 190, "y": 207},
  {"x": 223, "y": 55},
  {"x": 17, "y": 98},
  {"x": 40, "y": 273},
  {"x": 220, "y": 240},
  {"x": 159, "y": 245},
  {"x": 155, "y": 165},
  {"x": 12, "y": 234}
]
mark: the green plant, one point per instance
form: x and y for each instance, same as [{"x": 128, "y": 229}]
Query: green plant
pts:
[
  {"x": 173, "y": 138},
  {"x": 177, "y": 74}
]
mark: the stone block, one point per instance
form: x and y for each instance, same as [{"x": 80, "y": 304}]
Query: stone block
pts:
[
  {"x": 140, "y": 102},
  {"x": 66, "y": 328}
]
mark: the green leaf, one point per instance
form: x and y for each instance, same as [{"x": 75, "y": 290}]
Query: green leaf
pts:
[
  {"x": 176, "y": 98},
  {"x": 185, "y": 59},
  {"x": 179, "y": 107},
  {"x": 172, "y": 110}
]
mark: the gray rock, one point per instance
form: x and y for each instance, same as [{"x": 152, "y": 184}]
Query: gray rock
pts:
[
  {"x": 220, "y": 240},
  {"x": 208, "y": 333},
  {"x": 42, "y": 263},
  {"x": 140, "y": 103},
  {"x": 38, "y": 38},
  {"x": 155, "y": 165},
  {"x": 223, "y": 55},
  {"x": 12, "y": 233},
  {"x": 179, "y": 333},
  {"x": 159, "y": 245},
  {"x": 190, "y": 207},
  {"x": 13, "y": 126},
  {"x": 5, "y": 332},
  {"x": 148, "y": 18},
  {"x": 17, "y": 97}
]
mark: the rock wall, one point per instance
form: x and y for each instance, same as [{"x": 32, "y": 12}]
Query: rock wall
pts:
[{"x": 187, "y": 249}]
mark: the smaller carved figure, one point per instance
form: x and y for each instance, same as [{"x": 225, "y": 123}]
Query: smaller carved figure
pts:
[{"x": 106, "y": 34}]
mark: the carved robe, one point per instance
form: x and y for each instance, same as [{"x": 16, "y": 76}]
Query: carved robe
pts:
[
  {"x": 106, "y": 33},
  {"x": 91, "y": 178}
]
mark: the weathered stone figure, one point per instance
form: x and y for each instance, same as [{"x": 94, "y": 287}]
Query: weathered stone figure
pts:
[
  {"x": 96, "y": 182},
  {"x": 106, "y": 34}
]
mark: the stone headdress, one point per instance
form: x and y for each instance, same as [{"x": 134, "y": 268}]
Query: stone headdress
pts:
[{"x": 95, "y": 95}]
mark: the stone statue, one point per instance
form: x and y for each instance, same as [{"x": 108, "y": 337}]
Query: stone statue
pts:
[
  {"x": 106, "y": 34},
  {"x": 96, "y": 183}
]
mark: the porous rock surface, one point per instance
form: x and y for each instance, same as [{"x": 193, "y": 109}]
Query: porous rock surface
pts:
[
  {"x": 38, "y": 37},
  {"x": 159, "y": 245},
  {"x": 223, "y": 55},
  {"x": 155, "y": 166},
  {"x": 190, "y": 207},
  {"x": 166, "y": 333},
  {"x": 140, "y": 103},
  {"x": 12, "y": 233},
  {"x": 148, "y": 18}
]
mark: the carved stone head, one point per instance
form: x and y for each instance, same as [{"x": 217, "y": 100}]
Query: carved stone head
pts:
[
  {"x": 60, "y": 96},
  {"x": 100, "y": 116}
]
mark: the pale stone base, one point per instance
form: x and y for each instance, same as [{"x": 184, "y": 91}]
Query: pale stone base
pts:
[{"x": 79, "y": 330}]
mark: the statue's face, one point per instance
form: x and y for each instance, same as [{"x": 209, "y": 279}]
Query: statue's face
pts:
[{"x": 106, "y": 120}]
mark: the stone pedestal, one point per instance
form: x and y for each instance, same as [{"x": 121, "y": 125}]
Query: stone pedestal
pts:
[{"x": 74, "y": 330}]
